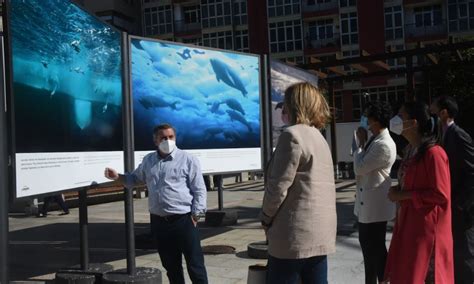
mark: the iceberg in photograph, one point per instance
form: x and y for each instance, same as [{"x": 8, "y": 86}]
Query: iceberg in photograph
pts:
[{"x": 67, "y": 78}]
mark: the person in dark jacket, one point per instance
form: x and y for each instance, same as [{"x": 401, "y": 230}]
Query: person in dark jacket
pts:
[{"x": 459, "y": 147}]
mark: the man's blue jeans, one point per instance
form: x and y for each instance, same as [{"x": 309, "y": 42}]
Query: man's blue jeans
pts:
[{"x": 313, "y": 270}]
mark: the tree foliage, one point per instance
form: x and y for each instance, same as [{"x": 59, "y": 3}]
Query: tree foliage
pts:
[{"x": 456, "y": 79}]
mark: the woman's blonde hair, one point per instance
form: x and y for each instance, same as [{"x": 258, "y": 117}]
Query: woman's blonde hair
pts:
[{"x": 306, "y": 105}]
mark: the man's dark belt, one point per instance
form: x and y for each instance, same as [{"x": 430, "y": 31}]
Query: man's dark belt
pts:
[{"x": 171, "y": 218}]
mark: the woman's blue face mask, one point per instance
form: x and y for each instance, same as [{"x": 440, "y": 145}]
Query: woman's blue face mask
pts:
[{"x": 364, "y": 122}]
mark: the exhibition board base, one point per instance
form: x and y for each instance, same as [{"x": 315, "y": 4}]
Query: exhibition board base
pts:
[
  {"x": 143, "y": 275},
  {"x": 75, "y": 274},
  {"x": 73, "y": 278},
  {"x": 258, "y": 250}
]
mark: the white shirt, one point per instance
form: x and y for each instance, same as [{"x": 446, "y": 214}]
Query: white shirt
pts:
[{"x": 175, "y": 183}]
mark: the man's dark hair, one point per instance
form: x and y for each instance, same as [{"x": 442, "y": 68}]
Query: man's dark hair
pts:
[
  {"x": 163, "y": 126},
  {"x": 380, "y": 112},
  {"x": 449, "y": 104}
]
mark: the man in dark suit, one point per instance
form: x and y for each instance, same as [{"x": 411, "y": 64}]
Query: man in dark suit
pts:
[{"x": 460, "y": 149}]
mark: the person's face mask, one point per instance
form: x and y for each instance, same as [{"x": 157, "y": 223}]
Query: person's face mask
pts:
[
  {"x": 364, "y": 122},
  {"x": 396, "y": 125},
  {"x": 284, "y": 116},
  {"x": 167, "y": 146}
]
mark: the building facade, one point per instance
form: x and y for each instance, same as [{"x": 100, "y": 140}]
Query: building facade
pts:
[
  {"x": 220, "y": 24},
  {"x": 304, "y": 31},
  {"x": 122, "y": 14}
]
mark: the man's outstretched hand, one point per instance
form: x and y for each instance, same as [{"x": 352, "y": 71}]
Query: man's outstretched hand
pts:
[{"x": 111, "y": 174}]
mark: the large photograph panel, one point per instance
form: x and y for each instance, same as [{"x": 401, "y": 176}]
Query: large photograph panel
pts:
[
  {"x": 283, "y": 76},
  {"x": 66, "y": 96},
  {"x": 211, "y": 97},
  {"x": 66, "y": 78}
]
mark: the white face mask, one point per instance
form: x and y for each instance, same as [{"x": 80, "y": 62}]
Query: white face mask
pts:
[
  {"x": 396, "y": 125},
  {"x": 167, "y": 146}
]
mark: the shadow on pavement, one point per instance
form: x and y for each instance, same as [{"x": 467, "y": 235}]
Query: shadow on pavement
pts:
[
  {"x": 244, "y": 254},
  {"x": 251, "y": 185},
  {"x": 46, "y": 249}
]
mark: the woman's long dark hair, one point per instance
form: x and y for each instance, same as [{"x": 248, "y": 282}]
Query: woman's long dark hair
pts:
[{"x": 427, "y": 126}]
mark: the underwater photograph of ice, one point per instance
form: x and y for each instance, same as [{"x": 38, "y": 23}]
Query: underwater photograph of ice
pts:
[
  {"x": 67, "y": 78},
  {"x": 211, "y": 97}
]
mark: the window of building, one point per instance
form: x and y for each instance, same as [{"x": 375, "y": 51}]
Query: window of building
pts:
[
  {"x": 347, "y": 3},
  {"x": 285, "y": 36},
  {"x": 158, "y": 20},
  {"x": 314, "y": 2},
  {"x": 460, "y": 15},
  {"x": 350, "y": 53},
  {"x": 195, "y": 41},
  {"x": 216, "y": 13},
  {"x": 393, "y": 23},
  {"x": 221, "y": 40},
  {"x": 394, "y": 95},
  {"x": 396, "y": 63},
  {"x": 356, "y": 105},
  {"x": 349, "y": 70},
  {"x": 338, "y": 105},
  {"x": 192, "y": 14},
  {"x": 241, "y": 40},
  {"x": 280, "y": 8},
  {"x": 471, "y": 15},
  {"x": 349, "y": 29},
  {"x": 296, "y": 59},
  {"x": 322, "y": 29},
  {"x": 428, "y": 16},
  {"x": 324, "y": 58},
  {"x": 240, "y": 12}
]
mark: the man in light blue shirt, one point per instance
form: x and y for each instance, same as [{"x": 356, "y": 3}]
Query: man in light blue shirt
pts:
[{"x": 176, "y": 199}]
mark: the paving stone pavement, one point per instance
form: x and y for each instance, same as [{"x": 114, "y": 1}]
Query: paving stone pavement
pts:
[{"x": 41, "y": 246}]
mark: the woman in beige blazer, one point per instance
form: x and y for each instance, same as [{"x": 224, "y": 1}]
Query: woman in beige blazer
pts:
[{"x": 299, "y": 205}]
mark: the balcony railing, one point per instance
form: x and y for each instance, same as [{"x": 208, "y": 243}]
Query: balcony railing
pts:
[
  {"x": 411, "y": 2},
  {"x": 316, "y": 7},
  {"x": 323, "y": 43},
  {"x": 412, "y": 30},
  {"x": 183, "y": 27},
  {"x": 184, "y": 1}
]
